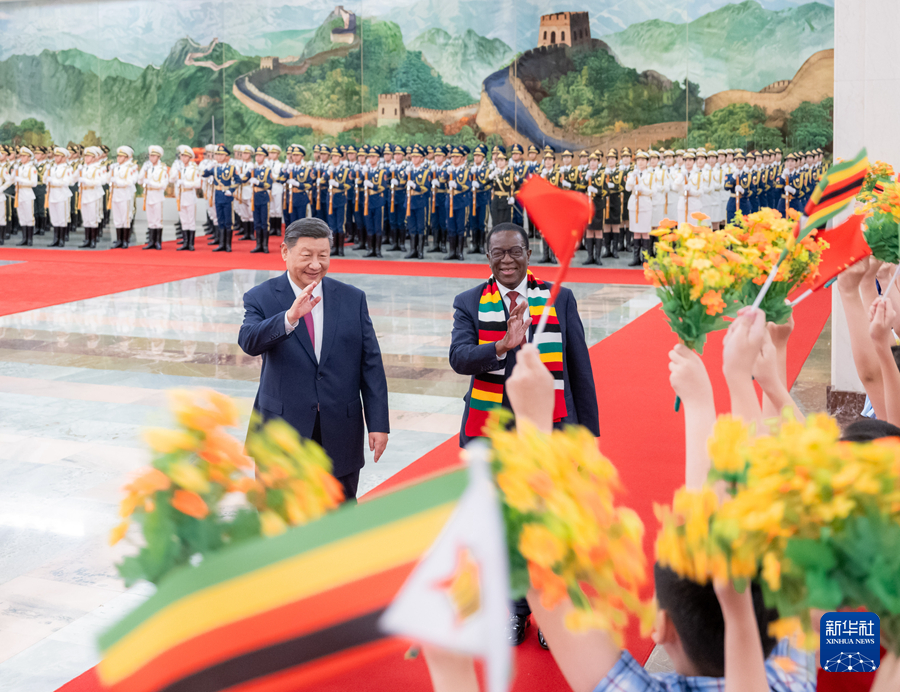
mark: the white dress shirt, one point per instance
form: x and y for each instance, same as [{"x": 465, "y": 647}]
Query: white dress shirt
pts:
[{"x": 317, "y": 315}]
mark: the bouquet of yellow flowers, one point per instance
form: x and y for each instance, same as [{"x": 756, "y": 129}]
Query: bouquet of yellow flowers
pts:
[
  {"x": 882, "y": 212},
  {"x": 816, "y": 518},
  {"x": 178, "y": 501},
  {"x": 698, "y": 278},
  {"x": 565, "y": 533},
  {"x": 762, "y": 237},
  {"x": 877, "y": 175}
]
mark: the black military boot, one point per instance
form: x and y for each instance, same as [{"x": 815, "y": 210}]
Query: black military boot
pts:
[
  {"x": 342, "y": 237},
  {"x": 360, "y": 240},
  {"x": 126, "y": 237},
  {"x": 589, "y": 246},
  {"x": 157, "y": 242},
  {"x": 378, "y": 240},
  {"x": 451, "y": 242},
  {"x": 214, "y": 236},
  {"x": 413, "y": 247},
  {"x": 259, "y": 242},
  {"x": 613, "y": 245},
  {"x": 88, "y": 233},
  {"x": 24, "y": 240},
  {"x": 621, "y": 241},
  {"x": 95, "y": 237},
  {"x": 545, "y": 256},
  {"x": 437, "y": 241},
  {"x": 636, "y": 260},
  {"x": 188, "y": 241},
  {"x": 461, "y": 249},
  {"x": 224, "y": 241},
  {"x": 372, "y": 241}
]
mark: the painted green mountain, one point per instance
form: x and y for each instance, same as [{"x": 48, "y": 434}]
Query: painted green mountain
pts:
[
  {"x": 170, "y": 105},
  {"x": 348, "y": 84},
  {"x": 102, "y": 68},
  {"x": 738, "y": 46},
  {"x": 464, "y": 60}
]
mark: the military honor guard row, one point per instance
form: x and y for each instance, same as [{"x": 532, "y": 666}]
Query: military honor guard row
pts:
[{"x": 374, "y": 195}]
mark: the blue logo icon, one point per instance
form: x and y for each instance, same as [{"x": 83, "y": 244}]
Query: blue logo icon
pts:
[{"x": 850, "y": 642}]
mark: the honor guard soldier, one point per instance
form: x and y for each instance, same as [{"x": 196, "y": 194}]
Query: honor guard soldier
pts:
[
  {"x": 689, "y": 187},
  {"x": 737, "y": 184},
  {"x": 300, "y": 182},
  {"x": 439, "y": 199},
  {"x": 339, "y": 182},
  {"x": 707, "y": 196},
  {"x": 672, "y": 171},
  {"x": 418, "y": 192},
  {"x": 503, "y": 190},
  {"x": 226, "y": 180},
  {"x": 189, "y": 180},
  {"x": 6, "y": 181},
  {"x": 122, "y": 180},
  {"x": 639, "y": 183},
  {"x": 74, "y": 160},
  {"x": 458, "y": 202},
  {"x": 260, "y": 182},
  {"x": 91, "y": 179},
  {"x": 26, "y": 180},
  {"x": 154, "y": 179},
  {"x": 593, "y": 236},
  {"x": 584, "y": 157},
  {"x": 517, "y": 164},
  {"x": 58, "y": 178},
  {"x": 787, "y": 184},
  {"x": 242, "y": 209},
  {"x": 398, "y": 177},
  {"x": 481, "y": 197},
  {"x": 42, "y": 162},
  {"x": 551, "y": 173},
  {"x": 613, "y": 182},
  {"x": 276, "y": 208},
  {"x": 375, "y": 180},
  {"x": 657, "y": 189},
  {"x": 208, "y": 163}
]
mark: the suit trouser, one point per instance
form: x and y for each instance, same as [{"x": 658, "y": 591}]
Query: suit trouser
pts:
[{"x": 350, "y": 481}]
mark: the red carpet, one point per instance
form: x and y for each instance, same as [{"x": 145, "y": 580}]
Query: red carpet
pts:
[
  {"x": 630, "y": 368},
  {"x": 50, "y": 277}
]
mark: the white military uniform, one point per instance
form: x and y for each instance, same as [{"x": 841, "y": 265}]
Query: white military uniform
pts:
[
  {"x": 709, "y": 198},
  {"x": 189, "y": 181},
  {"x": 640, "y": 204},
  {"x": 26, "y": 181},
  {"x": 122, "y": 179},
  {"x": 6, "y": 181},
  {"x": 154, "y": 180},
  {"x": 658, "y": 189},
  {"x": 58, "y": 177},
  {"x": 243, "y": 193},
  {"x": 276, "y": 203},
  {"x": 689, "y": 187},
  {"x": 92, "y": 179}
]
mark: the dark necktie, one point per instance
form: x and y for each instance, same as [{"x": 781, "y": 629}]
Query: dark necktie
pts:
[
  {"x": 310, "y": 327},
  {"x": 513, "y": 300}
]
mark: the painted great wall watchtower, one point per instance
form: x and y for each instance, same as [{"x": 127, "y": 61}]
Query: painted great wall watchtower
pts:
[
  {"x": 564, "y": 28},
  {"x": 392, "y": 108}
]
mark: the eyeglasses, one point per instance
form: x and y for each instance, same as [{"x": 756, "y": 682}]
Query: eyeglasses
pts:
[{"x": 516, "y": 253}]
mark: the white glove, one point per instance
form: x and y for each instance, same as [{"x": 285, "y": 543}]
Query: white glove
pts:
[
  {"x": 789, "y": 189},
  {"x": 493, "y": 175},
  {"x": 611, "y": 186},
  {"x": 592, "y": 190},
  {"x": 333, "y": 183},
  {"x": 566, "y": 184},
  {"x": 369, "y": 184},
  {"x": 475, "y": 185},
  {"x": 254, "y": 181},
  {"x": 394, "y": 182},
  {"x": 229, "y": 193},
  {"x": 293, "y": 183},
  {"x": 453, "y": 184},
  {"x": 739, "y": 189},
  {"x": 511, "y": 201},
  {"x": 411, "y": 185},
  {"x": 435, "y": 183}
]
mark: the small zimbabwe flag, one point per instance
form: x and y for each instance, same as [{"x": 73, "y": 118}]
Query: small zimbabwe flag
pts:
[
  {"x": 838, "y": 186},
  {"x": 288, "y": 612}
]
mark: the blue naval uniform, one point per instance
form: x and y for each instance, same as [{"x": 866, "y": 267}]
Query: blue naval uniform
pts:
[
  {"x": 741, "y": 178},
  {"x": 334, "y": 199},
  {"x": 261, "y": 196},
  {"x": 419, "y": 191},
  {"x": 521, "y": 170},
  {"x": 226, "y": 180},
  {"x": 397, "y": 195},
  {"x": 374, "y": 219},
  {"x": 301, "y": 196},
  {"x": 439, "y": 213},
  {"x": 482, "y": 201},
  {"x": 461, "y": 199},
  {"x": 319, "y": 198}
]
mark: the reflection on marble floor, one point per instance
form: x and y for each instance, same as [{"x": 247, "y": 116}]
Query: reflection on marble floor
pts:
[{"x": 79, "y": 381}]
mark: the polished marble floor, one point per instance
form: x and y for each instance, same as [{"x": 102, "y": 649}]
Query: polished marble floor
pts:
[{"x": 79, "y": 381}]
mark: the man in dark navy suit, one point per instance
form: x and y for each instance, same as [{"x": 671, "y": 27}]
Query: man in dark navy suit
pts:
[
  {"x": 319, "y": 354},
  {"x": 508, "y": 254}
]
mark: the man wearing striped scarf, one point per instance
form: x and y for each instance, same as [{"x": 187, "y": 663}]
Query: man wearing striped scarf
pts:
[{"x": 491, "y": 321}]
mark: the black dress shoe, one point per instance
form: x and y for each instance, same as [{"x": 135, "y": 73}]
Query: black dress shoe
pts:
[
  {"x": 518, "y": 628},
  {"x": 542, "y": 641}
]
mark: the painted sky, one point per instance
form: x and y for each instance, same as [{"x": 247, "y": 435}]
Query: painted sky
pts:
[{"x": 142, "y": 31}]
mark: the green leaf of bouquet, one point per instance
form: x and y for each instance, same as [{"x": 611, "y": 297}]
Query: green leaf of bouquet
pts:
[
  {"x": 824, "y": 592},
  {"x": 810, "y": 554}
]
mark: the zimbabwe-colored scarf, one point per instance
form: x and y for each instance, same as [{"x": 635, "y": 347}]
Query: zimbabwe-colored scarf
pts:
[{"x": 487, "y": 391}]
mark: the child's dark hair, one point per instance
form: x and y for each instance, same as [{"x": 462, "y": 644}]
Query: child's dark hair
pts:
[
  {"x": 697, "y": 616},
  {"x": 868, "y": 429}
]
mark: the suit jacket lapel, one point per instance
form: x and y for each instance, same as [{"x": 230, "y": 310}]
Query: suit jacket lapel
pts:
[
  {"x": 286, "y": 298},
  {"x": 330, "y": 316}
]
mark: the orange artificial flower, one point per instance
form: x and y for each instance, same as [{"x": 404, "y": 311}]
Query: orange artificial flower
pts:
[{"x": 190, "y": 503}]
